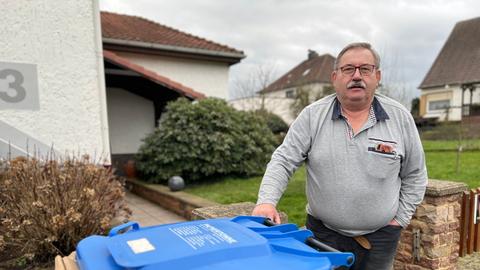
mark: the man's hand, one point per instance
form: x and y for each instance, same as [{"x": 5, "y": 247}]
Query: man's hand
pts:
[
  {"x": 267, "y": 210},
  {"x": 393, "y": 222}
]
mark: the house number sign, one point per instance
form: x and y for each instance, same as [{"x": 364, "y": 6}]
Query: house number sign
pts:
[{"x": 18, "y": 86}]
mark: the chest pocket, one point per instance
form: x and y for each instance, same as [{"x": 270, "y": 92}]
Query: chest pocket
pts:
[
  {"x": 382, "y": 166},
  {"x": 383, "y": 159}
]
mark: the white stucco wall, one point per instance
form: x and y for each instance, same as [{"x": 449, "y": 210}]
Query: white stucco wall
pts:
[
  {"x": 62, "y": 39},
  {"x": 276, "y": 105},
  {"x": 438, "y": 94},
  {"x": 207, "y": 77},
  {"x": 130, "y": 118},
  {"x": 314, "y": 88}
]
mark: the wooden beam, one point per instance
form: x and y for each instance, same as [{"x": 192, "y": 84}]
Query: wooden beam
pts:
[
  {"x": 477, "y": 225},
  {"x": 464, "y": 223},
  {"x": 471, "y": 225}
]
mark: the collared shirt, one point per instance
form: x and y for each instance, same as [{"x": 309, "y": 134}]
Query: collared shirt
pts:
[{"x": 356, "y": 183}]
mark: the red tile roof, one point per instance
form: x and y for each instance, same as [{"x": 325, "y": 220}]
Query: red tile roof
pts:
[
  {"x": 459, "y": 60},
  {"x": 133, "y": 28},
  {"x": 150, "y": 75},
  {"x": 315, "y": 69}
]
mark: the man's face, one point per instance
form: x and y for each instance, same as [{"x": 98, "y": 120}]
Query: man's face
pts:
[{"x": 356, "y": 89}]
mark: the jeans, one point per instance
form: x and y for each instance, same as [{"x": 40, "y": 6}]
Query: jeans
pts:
[{"x": 384, "y": 243}]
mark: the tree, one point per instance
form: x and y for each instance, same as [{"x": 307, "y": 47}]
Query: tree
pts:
[
  {"x": 393, "y": 83},
  {"x": 415, "y": 110},
  {"x": 306, "y": 95},
  {"x": 397, "y": 91},
  {"x": 248, "y": 89},
  {"x": 251, "y": 98}
]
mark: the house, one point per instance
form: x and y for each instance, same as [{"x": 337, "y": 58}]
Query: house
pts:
[
  {"x": 193, "y": 61},
  {"x": 449, "y": 89},
  {"x": 52, "y": 84},
  {"x": 146, "y": 69},
  {"x": 311, "y": 75},
  {"x": 74, "y": 80}
]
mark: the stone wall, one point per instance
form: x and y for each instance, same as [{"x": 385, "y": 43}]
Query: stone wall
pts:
[
  {"x": 229, "y": 211},
  {"x": 431, "y": 241},
  {"x": 179, "y": 202}
]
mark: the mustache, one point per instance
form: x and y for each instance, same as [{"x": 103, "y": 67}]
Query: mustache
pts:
[{"x": 356, "y": 84}]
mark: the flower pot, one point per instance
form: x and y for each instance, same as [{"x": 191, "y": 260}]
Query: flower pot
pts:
[{"x": 130, "y": 170}]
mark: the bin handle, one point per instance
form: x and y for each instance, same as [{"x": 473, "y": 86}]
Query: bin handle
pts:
[
  {"x": 269, "y": 223},
  {"x": 123, "y": 228},
  {"x": 311, "y": 241}
]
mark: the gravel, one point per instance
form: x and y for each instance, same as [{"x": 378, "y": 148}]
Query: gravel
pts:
[{"x": 469, "y": 262}]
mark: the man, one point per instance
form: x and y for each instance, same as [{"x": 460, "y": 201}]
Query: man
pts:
[{"x": 365, "y": 164}]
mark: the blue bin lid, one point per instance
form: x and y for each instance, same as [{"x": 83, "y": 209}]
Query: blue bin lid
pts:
[
  {"x": 238, "y": 243},
  {"x": 160, "y": 245}
]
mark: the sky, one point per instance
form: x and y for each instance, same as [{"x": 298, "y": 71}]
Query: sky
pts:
[{"x": 276, "y": 34}]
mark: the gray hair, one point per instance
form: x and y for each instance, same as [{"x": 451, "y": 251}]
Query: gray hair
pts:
[{"x": 356, "y": 45}]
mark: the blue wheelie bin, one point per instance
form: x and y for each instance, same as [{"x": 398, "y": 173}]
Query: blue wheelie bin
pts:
[{"x": 243, "y": 242}]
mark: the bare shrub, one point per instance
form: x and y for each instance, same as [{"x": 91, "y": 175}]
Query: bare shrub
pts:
[{"x": 48, "y": 206}]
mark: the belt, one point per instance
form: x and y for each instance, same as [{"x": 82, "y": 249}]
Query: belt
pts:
[{"x": 363, "y": 241}]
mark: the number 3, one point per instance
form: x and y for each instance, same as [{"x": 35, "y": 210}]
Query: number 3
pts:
[{"x": 15, "y": 85}]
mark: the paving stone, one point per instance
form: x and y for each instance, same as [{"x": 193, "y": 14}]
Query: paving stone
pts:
[{"x": 148, "y": 214}]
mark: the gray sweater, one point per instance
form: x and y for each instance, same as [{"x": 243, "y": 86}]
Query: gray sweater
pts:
[{"x": 356, "y": 183}]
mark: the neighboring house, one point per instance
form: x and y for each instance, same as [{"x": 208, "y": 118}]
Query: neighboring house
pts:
[
  {"x": 311, "y": 75},
  {"x": 80, "y": 81},
  {"x": 148, "y": 64},
  {"x": 451, "y": 85}
]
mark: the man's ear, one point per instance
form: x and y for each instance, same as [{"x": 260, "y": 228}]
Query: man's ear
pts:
[
  {"x": 378, "y": 75},
  {"x": 333, "y": 76}
]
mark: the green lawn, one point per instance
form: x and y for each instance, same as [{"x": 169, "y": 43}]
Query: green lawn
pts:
[
  {"x": 440, "y": 165},
  {"x": 431, "y": 145},
  {"x": 233, "y": 190}
]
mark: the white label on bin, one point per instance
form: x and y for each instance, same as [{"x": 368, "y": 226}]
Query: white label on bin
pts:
[
  {"x": 198, "y": 236},
  {"x": 140, "y": 245}
]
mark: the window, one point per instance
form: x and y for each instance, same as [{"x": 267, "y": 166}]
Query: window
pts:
[
  {"x": 438, "y": 105},
  {"x": 290, "y": 93}
]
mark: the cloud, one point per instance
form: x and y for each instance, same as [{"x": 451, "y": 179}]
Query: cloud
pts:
[{"x": 408, "y": 34}]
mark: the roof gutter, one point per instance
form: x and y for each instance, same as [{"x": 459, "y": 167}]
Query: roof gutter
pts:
[
  {"x": 148, "y": 45},
  {"x": 426, "y": 87}
]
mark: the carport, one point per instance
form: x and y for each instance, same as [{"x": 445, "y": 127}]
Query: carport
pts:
[{"x": 136, "y": 98}]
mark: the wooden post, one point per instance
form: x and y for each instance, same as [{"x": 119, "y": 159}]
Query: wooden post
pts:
[
  {"x": 464, "y": 88},
  {"x": 477, "y": 225},
  {"x": 471, "y": 225},
  {"x": 464, "y": 223}
]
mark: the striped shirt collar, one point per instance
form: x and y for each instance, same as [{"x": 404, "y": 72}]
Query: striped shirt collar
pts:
[{"x": 380, "y": 113}]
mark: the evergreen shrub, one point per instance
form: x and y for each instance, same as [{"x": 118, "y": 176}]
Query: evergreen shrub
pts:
[{"x": 205, "y": 139}]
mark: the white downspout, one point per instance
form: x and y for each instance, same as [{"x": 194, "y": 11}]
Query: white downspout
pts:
[{"x": 105, "y": 151}]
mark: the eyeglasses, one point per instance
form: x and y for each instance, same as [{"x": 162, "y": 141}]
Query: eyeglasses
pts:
[{"x": 365, "y": 70}]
